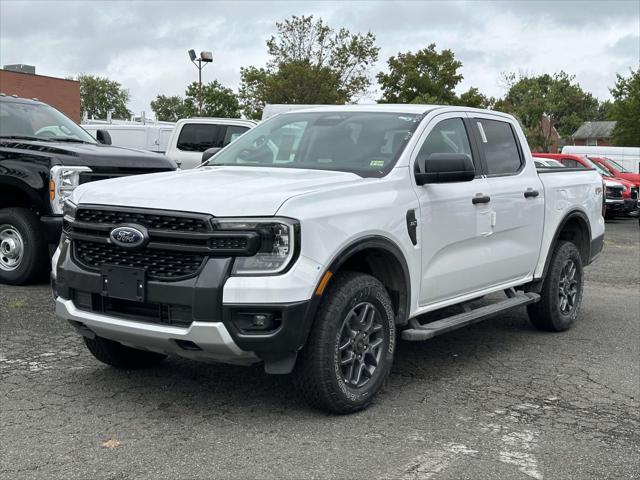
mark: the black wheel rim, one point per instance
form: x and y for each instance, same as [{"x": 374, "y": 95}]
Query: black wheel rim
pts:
[
  {"x": 568, "y": 287},
  {"x": 361, "y": 345}
]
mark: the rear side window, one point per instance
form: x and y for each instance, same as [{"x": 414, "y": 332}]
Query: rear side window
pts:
[
  {"x": 571, "y": 163},
  {"x": 233, "y": 132},
  {"x": 500, "y": 147},
  {"x": 197, "y": 137}
]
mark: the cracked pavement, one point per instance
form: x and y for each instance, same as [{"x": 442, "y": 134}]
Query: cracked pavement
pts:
[{"x": 495, "y": 400}]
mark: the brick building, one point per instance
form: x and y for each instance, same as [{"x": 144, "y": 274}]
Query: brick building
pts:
[{"x": 58, "y": 92}]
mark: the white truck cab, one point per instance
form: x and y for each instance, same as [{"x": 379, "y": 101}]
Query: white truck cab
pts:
[
  {"x": 192, "y": 136},
  {"x": 320, "y": 236}
]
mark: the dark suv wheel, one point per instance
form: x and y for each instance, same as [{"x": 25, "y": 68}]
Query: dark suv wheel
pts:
[
  {"x": 350, "y": 348},
  {"x": 561, "y": 294}
]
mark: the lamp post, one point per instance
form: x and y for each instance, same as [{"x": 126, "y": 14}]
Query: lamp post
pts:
[{"x": 205, "y": 57}]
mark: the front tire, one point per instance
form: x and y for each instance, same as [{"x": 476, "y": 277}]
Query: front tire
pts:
[
  {"x": 23, "y": 251},
  {"x": 561, "y": 294},
  {"x": 120, "y": 356},
  {"x": 350, "y": 348}
]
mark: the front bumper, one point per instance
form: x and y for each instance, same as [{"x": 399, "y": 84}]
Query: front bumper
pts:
[
  {"x": 631, "y": 206},
  {"x": 204, "y": 341},
  {"x": 614, "y": 207},
  {"x": 187, "y": 317}
]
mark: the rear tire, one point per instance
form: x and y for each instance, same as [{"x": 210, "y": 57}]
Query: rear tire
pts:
[
  {"x": 23, "y": 251},
  {"x": 561, "y": 294},
  {"x": 350, "y": 348},
  {"x": 120, "y": 356}
]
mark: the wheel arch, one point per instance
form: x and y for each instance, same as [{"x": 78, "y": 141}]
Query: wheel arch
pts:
[
  {"x": 14, "y": 193},
  {"x": 382, "y": 258},
  {"x": 575, "y": 228}
]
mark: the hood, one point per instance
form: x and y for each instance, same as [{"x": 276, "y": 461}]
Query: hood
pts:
[
  {"x": 221, "y": 191},
  {"x": 94, "y": 155}
]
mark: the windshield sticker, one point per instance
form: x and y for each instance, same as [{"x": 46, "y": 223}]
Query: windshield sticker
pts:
[{"x": 376, "y": 163}]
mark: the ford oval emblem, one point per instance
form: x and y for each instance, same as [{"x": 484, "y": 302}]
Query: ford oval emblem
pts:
[{"x": 129, "y": 236}]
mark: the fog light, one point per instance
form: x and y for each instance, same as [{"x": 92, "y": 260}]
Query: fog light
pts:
[{"x": 256, "y": 322}]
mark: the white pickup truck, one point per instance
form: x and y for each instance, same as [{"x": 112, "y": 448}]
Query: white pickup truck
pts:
[{"x": 319, "y": 237}]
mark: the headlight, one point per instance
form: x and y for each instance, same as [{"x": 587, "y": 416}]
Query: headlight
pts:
[
  {"x": 62, "y": 182},
  {"x": 278, "y": 244}
]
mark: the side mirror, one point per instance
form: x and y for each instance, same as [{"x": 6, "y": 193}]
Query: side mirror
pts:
[
  {"x": 445, "y": 168},
  {"x": 103, "y": 137},
  {"x": 209, "y": 152}
]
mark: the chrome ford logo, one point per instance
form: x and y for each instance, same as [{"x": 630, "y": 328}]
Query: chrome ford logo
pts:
[{"x": 129, "y": 236}]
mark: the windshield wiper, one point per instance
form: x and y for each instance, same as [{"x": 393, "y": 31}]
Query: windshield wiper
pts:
[
  {"x": 25, "y": 137},
  {"x": 69, "y": 139}
]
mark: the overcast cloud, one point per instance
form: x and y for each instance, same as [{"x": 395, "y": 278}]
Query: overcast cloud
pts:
[{"x": 143, "y": 45}]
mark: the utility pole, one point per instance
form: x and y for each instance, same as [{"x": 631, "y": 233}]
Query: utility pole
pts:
[{"x": 205, "y": 57}]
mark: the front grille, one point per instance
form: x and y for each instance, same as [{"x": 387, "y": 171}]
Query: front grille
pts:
[
  {"x": 613, "y": 192},
  {"x": 179, "y": 223},
  {"x": 159, "y": 264},
  {"x": 164, "y": 313}
]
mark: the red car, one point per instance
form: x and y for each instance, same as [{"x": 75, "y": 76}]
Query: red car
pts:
[
  {"x": 617, "y": 170},
  {"x": 630, "y": 192}
]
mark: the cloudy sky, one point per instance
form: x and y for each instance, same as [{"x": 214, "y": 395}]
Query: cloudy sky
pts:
[{"x": 143, "y": 45}]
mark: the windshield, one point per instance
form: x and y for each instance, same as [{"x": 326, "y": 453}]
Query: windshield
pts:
[
  {"x": 365, "y": 143},
  {"x": 39, "y": 122},
  {"x": 616, "y": 165},
  {"x": 598, "y": 167}
]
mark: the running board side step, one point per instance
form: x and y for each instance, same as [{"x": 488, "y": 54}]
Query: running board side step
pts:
[{"x": 420, "y": 332}]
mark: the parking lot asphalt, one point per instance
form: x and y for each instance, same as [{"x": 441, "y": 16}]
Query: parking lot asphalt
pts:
[{"x": 496, "y": 400}]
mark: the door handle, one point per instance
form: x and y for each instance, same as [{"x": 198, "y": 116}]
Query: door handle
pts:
[
  {"x": 531, "y": 194},
  {"x": 480, "y": 199}
]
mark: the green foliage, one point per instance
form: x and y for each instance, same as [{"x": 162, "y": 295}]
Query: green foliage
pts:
[
  {"x": 427, "y": 76},
  {"x": 557, "y": 97},
  {"x": 625, "y": 110},
  {"x": 170, "y": 108},
  {"x": 98, "y": 95},
  {"x": 473, "y": 98},
  {"x": 217, "y": 101},
  {"x": 309, "y": 62}
]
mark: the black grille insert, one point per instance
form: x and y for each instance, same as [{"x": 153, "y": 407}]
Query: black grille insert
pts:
[
  {"x": 156, "y": 221},
  {"x": 159, "y": 264}
]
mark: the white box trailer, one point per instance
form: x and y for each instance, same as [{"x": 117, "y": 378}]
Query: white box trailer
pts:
[
  {"x": 628, "y": 157},
  {"x": 152, "y": 136}
]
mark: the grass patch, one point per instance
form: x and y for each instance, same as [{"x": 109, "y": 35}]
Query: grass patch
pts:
[{"x": 18, "y": 303}]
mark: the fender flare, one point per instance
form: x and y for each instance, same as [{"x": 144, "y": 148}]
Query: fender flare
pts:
[
  {"x": 584, "y": 220},
  {"x": 32, "y": 194},
  {"x": 381, "y": 243}
]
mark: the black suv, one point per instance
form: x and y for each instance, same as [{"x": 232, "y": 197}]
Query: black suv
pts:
[{"x": 43, "y": 156}]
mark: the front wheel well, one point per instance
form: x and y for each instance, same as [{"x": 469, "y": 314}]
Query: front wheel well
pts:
[
  {"x": 386, "y": 267},
  {"x": 12, "y": 196}
]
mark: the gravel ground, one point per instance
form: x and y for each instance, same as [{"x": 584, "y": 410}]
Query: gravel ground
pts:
[{"x": 496, "y": 400}]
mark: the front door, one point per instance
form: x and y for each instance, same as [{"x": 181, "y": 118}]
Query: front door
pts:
[{"x": 453, "y": 227}]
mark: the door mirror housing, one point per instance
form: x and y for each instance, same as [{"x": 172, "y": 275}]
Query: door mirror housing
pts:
[
  {"x": 103, "y": 137},
  {"x": 445, "y": 168},
  {"x": 209, "y": 152}
]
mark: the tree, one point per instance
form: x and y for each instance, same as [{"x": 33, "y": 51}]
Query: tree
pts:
[
  {"x": 625, "y": 110},
  {"x": 557, "y": 97},
  {"x": 309, "y": 62},
  {"x": 99, "y": 95},
  {"x": 473, "y": 98},
  {"x": 427, "y": 76},
  {"x": 217, "y": 101},
  {"x": 170, "y": 108}
]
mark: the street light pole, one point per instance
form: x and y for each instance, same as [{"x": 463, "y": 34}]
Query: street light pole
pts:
[{"x": 205, "y": 57}]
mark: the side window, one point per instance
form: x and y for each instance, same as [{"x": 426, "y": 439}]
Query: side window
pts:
[
  {"x": 233, "y": 132},
  {"x": 448, "y": 136},
  {"x": 500, "y": 147},
  {"x": 197, "y": 137},
  {"x": 571, "y": 163}
]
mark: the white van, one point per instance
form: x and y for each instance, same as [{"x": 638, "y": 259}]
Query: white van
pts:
[
  {"x": 192, "y": 136},
  {"x": 153, "y": 137},
  {"x": 628, "y": 157}
]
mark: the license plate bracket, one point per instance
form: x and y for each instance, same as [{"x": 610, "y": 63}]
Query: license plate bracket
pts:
[{"x": 125, "y": 283}]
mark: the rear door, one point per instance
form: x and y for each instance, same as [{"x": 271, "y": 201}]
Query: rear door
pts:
[
  {"x": 517, "y": 199},
  {"x": 453, "y": 228}
]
